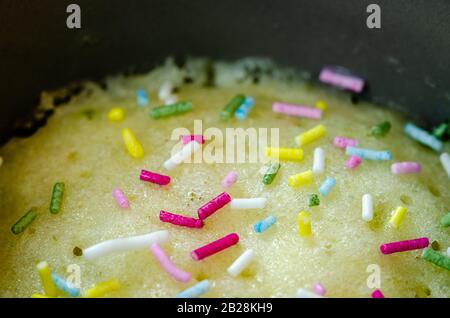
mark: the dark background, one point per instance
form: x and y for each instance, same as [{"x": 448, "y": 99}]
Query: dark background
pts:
[{"x": 407, "y": 61}]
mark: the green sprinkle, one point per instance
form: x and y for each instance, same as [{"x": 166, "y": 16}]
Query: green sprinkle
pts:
[
  {"x": 24, "y": 221},
  {"x": 229, "y": 110},
  {"x": 442, "y": 131},
  {"x": 436, "y": 258},
  {"x": 170, "y": 110},
  {"x": 271, "y": 173},
  {"x": 88, "y": 113},
  {"x": 314, "y": 200},
  {"x": 381, "y": 129},
  {"x": 57, "y": 195},
  {"x": 445, "y": 220}
]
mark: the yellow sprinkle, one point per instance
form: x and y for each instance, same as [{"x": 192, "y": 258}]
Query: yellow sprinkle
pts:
[
  {"x": 310, "y": 135},
  {"x": 398, "y": 216},
  {"x": 293, "y": 154},
  {"x": 304, "y": 224},
  {"x": 116, "y": 114},
  {"x": 133, "y": 146},
  {"x": 321, "y": 105},
  {"x": 46, "y": 278},
  {"x": 40, "y": 296},
  {"x": 300, "y": 179},
  {"x": 102, "y": 288}
]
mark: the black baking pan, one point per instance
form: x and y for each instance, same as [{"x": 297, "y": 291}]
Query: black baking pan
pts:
[{"x": 406, "y": 61}]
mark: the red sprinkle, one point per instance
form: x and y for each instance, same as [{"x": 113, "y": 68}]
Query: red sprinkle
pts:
[
  {"x": 185, "y": 139},
  {"x": 153, "y": 177},
  {"x": 212, "y": 206},
  {"x": 402, "y": 246},
  {"x": 180, "y": 220},
  {"x": 377, "y": 294},
  {"x": 215, "y": 247}
]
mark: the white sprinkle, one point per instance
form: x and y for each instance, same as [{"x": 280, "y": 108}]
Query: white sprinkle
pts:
[
  {"x": 445, "y": 160},
  {"x": 165, "y": 91},
  {"x": 303, "y": 293},
  {"x": 253, "y": 203},
  {"x": 125, "y": 244},
  {"x": 240, "y": 263},
  {"x": 182, "y": 155},
  {"x": 172, "y": 99},
  {"x": 367, "y": 208},
  {"x": 319, "y": 161}
]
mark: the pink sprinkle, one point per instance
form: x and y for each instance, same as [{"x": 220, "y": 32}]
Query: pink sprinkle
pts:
[
  {"x": 168, "y": 265},
  {"x": 343, "y": 142},
  {"x": 336, "y": 77},
  {"x": 406, "y": 167},
  {"x": 185, "y": 139},
  {"x": 154, "y": 177},
  {"x": 215, "y": 247},
  {"x": 319, "y": 289},
  {"x": 121, "y": 199},
  {"x": 212, "y": 206},
  {"x": 229, "y": 179},
  {"x": 180, "y": 220},
  {"x": 297, "y": 110},
  {"x": 377, "y": 294},
  {"x": 402, "y": 246},
  {"x": 353, "y": 162}
]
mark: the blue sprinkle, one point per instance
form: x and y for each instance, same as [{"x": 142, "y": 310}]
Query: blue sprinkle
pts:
[
  {"x": 196, "y": 290},
  {"x": 423, "y": 137},
  {"x": 263, "y": 225},
  {"x": 243, "y": 110},
  {"x": 65, "y": 286},
  {"x": 142, "y": 98},
  {"x": 369, "y": 154},
  {"x": 326, "y": 186}
]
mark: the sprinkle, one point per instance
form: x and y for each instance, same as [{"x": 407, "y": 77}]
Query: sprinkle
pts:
[
  {"x": 170, "y": 110},
  {"x": 116, "y": 114},
  {"x": 319, "y": 161},
  {"x": 403, "y": 246},
  {"x": 263, "y": 225},
  {"x": 154, "y": 177},
  {"x": 369, "y": 154},
  {"x": 65, "y": 286},
  {"x": 142, "y": 98},
  {"x": 297, "y": 110},
  {"x": 397, "y": 216},
  {"x": 215, "y": 247},
  {"x": 445, "y": 160},
  {"x": 423, "y": 137},
  {"x": 313, "y": 200},
  {"x": 165, "y": 91},
  {"x": 253, "y": 203},
  {"x": 436, "y": 258},
  {"x": 445, "y": 220},
  {"x": 243, "y": 110},
  {"x": 301, "y": 179},
  {"x": 377, "y": 294},
  {"x": 319, "y": 289},
  {"x": 380, "y": 130},
  {"x": 293, "y": 154},
  {"x": 167, "y": 264},
  {"x": 120, "y": 198},
  {"x": 344, "y": 142},
  {"x": 46, "y": 279},
  {"x": 326, "y": 186},
  {"x": 188, "y": 138},
  {"x": 441, "y": 131},
  {"x": 231, "y": 107},
  {"x": 100, "y": 289},
  {"x": 212, "y": 206},
  {"x": 321, "y": 105},
  {"x": 182, "y": 155},
  {"x": 405, "y": 167},
  {"x": 353, "y": 162},
  {"x": 271, "y": 173},
  {"x": 241, "y": 263},
  {"x": 303, "y": 293},
  {"x": 133, "y": 146},
  {"x": 341, "y": 78},
  {"x": 57, "y": 196},
  {"x": 367, "y": 208},
  {"x": 304, "y": 224},
  {"x": 125, "y": 244},
  {"x": 229, "y": 179},
  {"x": 311, "y": 135},
  {"x": 24, "y": 221},
  {"x": 180, "y": 220},
  {"x": 448, "y": 251},
  {"x": 195, "y": 291}
]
